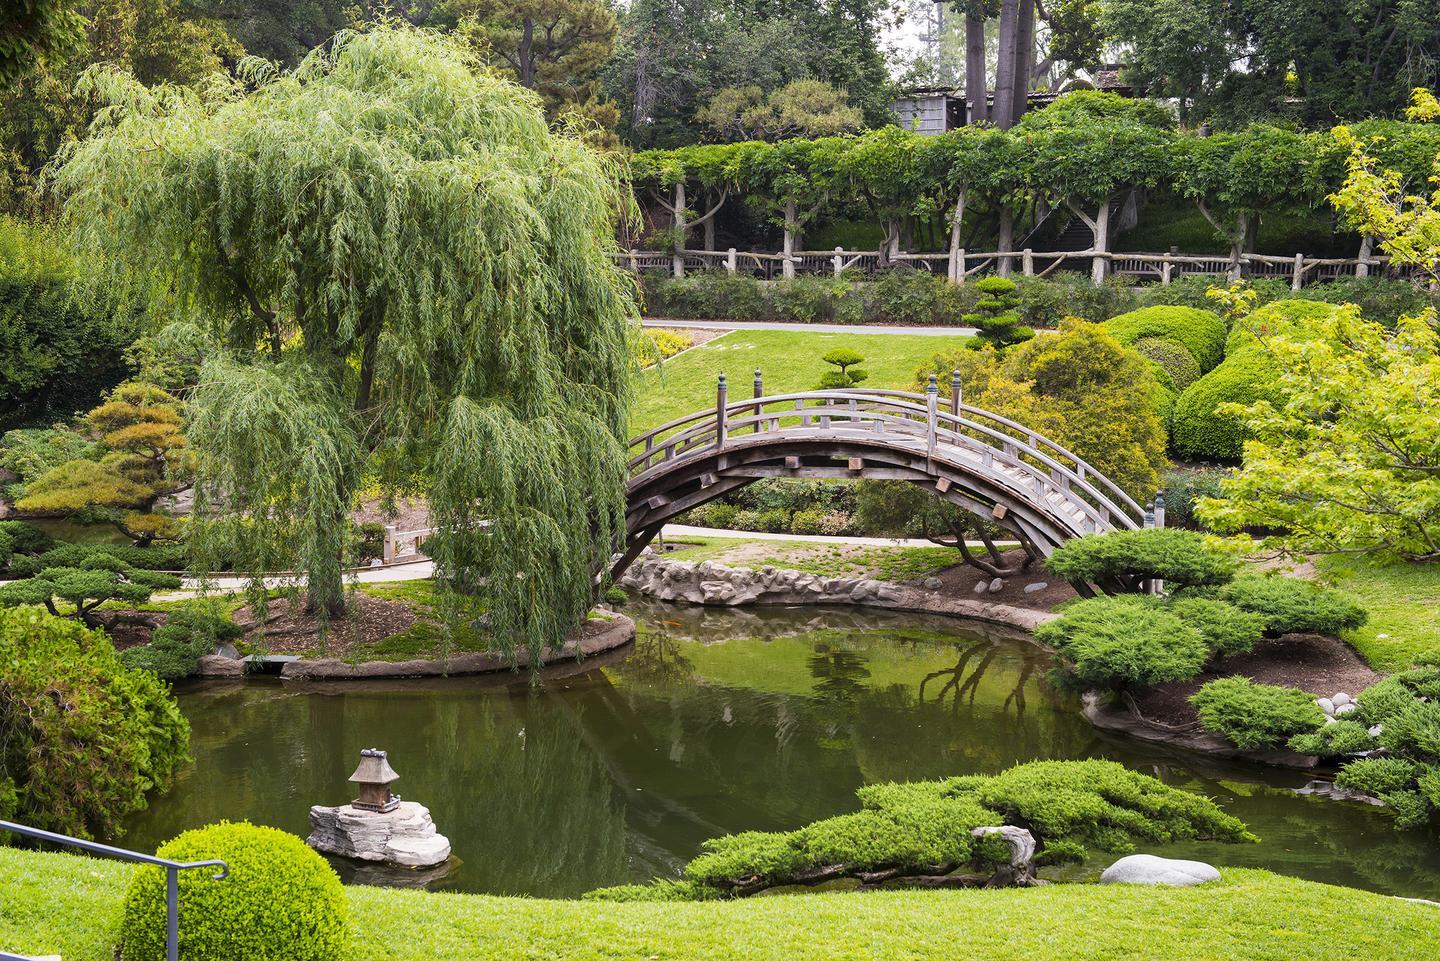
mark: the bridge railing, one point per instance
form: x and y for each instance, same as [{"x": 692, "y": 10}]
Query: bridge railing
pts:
[{"x": 1009, "y": 452}]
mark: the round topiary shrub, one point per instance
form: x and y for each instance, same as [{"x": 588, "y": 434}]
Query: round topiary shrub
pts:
[
  {"x": 1290, "y": 317},
  {"x": 1172, "y": 357},
  {"x": 280, "y": 902},
  {"x": 1199, "y": 429},
  {"x": 1202, "y": 332}
]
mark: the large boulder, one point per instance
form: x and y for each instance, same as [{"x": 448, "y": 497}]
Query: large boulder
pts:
[
  {"x": 1150, "y": 869},
  {"x": 405, "y": 836}
]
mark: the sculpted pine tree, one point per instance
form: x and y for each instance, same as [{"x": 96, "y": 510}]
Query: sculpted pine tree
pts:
[{"x": 405, "y": 275}]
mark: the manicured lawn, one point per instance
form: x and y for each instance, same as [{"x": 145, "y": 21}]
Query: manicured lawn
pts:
[
  {"x": 1404, "y": 605},
  {"x": 790, "y": 361},
  {"x": 822, "y": 559},
  {"x": 60, "y": 904}
]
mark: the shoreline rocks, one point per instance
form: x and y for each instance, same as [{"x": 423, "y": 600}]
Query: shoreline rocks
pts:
[{"x": 1151, "y": 869}]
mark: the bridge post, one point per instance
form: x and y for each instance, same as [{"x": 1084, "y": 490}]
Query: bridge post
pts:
[
  {"x": 720, "y": 403},
  {"x": 932, "y": 394},
  {"x": 759, "y": 392},
  {"x": 955, "y": 392}
]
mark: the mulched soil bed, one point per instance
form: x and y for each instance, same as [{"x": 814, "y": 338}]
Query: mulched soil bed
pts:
[
  {"x": 1312, "y": 662},
  {"x": 129, "y": 628},
  {"x": 288, "y": 629},
  {"x": 960, "y": 581}
]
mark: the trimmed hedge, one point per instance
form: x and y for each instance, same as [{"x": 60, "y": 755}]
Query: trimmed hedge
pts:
[
  {"x": 1201, "y": 332},
  {"x": 1199, "y": 429},
  {"x": 1256, "y": 716},
  {"x": 280, "y": 902},
  {"x": 1171, "y": 357},
  {"x": 1294, "y": 318}
]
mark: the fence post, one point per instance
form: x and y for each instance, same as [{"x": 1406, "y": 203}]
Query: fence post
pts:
[
  {"x": 1165, "y": 268},
  {"x": 932, "y": 393},
  {"x": 1027, "y": 262},
  {"x": 759, "y": 392},
  {"x": 1362, "y": 267},
  {"x": 1297, "y": 278},
  {"x": 720, "y": 412},
  {"x": 387, "y": 553},
  {"x": 635, "y": 261},
  {"x": 955, "y": 392},
  {"x": 730, "y": 261},
  {"x": 839, "y": 261}
]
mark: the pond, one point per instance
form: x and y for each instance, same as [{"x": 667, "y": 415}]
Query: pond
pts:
[{"x": 716, "y": 721}]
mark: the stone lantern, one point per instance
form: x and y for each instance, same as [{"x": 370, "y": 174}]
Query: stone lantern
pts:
[{"x": 374, "y": 777}]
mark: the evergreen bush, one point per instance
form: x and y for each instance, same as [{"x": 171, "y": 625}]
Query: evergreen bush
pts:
[
  {"x": 1256, "y": 716},
  {"x": 1201, "y": 332},
  {"x": 85, "y": 736},
  {"x": 1290, "y": 605},
  {"x": 191, "y": 630},
  {"x": 1334, "y": 740},
  {"x": 995, "y": 316},
  {"x": 1123, "y": 643},
  {"x": 1227, "y": 629},
  {"x": 1172, "y": 357},
  {"x": 1199, "y": 428},
  {"x": 1181, "y": 558},
  {"x": 280, "y": 901}
]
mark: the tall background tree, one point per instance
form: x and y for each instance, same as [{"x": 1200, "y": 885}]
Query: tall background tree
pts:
[
  {"x": 404, "y": 275},
  {"x": 33, "y": 31}
]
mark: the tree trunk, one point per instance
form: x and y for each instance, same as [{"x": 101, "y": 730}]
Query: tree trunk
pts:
[
  {"x": 526, "y": 54},
  {"x": 957, "y": 261},
  {"x": 1101, "y": 233},
  {"x": 1004, "y": 114},
  {"x": 787, "y": 266},
  {"x": 1024, "y": 59},
  {"x": 678, "y": 254},
  {"x": 976, "y": 94}
]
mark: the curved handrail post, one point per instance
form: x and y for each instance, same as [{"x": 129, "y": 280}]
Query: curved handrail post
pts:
[
  {"x": 720, "y": 404},
  {"x": 932, "y": 393}
]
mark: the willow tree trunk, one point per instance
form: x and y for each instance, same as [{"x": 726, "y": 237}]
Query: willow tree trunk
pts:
[
  {"x": 976, "y": 94},
  {"x": 1006, "y": 241},
  {"x": 1004, "y": 114},
  {"x": 1024, "y": 59}
]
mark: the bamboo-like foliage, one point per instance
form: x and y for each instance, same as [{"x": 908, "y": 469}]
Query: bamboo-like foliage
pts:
[{"x": 405, "y": 275}]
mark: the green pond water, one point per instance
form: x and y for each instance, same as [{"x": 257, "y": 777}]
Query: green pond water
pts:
[{"x": 716, "y": 721}]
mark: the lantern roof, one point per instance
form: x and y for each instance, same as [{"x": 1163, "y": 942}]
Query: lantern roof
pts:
[{"x": 374, "y": 768}]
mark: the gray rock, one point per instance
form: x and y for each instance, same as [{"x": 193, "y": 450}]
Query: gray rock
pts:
[
  {"x": 215, "y": 665},
  {"x": 1149, "y": 869},
  {"x": 1376, "y": 729},
  {"x": 405, "y": 836},
  {"x": 1326, "y": 705},
  {"x": 932, "y": 583},
  {"x": 996, "y": 586},
  {"x": 1036, "y": 587},
  {"x": 1340, "y": 700},
  {"x": 1343, "y": 709},
  {"x": 981, "y": 587}
]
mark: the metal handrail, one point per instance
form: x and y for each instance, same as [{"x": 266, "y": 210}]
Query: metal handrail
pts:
[{"x": 172, "y": 877}]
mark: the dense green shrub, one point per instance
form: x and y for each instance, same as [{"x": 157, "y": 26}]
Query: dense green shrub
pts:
[
  {"x": 1201, "y": 332},
  {"x": 280, "y": 901},
  {"x": 1380, "y": 299},
  {"x": 994, "y": 317},
  {"x": 94, "y": 579},
  {"x": 26, "y": 538},
  {"x": 1378, "y": 702},
  {"x": 1406, "y": 708},
  {"x": 191, "y": 630},
  {"x": 1179, "y": 557},
  {"x": 1295, "y": 318},
  {"x": 1227, "y": 629},
  {"x": 814, "y": 299},
  {"x": 1290, "y": 605},
  {"x": 157, "y": 557},
  {"x": 1183, "y": 487},
  {"x": 1172, "y": 357},
  {"x": 810, "y": 521},
  {"x": 924, "y": 827},
  {"x": 1334, "y": 740},
  {"x": 1192, "y": 291},
  {"x": 59, "y": 351},
  {"x": 1199, "y": 428},
  {"x": 905, "y": 296},
  {"x": 707, "y": 294},
  {"x": 1256, "y": 716},
  {"x": 1045, "y": 302},
  {"x": 85, "y": 735},
  {"x": 1123, "y": 643},
  {"x": 32, "y": 453}
]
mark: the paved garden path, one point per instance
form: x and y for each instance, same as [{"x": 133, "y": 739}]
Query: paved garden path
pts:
[{"x": 811, "y": 328}]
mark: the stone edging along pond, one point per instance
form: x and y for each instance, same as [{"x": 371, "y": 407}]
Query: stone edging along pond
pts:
[
  {"x": 720, "y": 585},
  {"x": 600, "y": 634}
]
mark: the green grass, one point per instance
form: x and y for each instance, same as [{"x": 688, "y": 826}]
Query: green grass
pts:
[
  {"x": 1404, "y": 604},
  {"x": 790, "y": 361},
  {"x": 823, "y": 559},
  {"x": 61, "y": 904}
]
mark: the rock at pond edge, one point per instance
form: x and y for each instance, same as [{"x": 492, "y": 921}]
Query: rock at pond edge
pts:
[{"x": 1150, "y": 869}]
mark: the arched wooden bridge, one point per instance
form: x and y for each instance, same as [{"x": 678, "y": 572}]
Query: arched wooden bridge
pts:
[{"x": 992, "y": 466}]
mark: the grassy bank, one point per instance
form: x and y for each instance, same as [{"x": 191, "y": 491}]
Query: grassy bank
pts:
[
  {"x": 820, "y": 558},
  {"x": 59, "y": 904},
  {"x": 790, "y": 361},
  {"x": 1404, "y": 605}
]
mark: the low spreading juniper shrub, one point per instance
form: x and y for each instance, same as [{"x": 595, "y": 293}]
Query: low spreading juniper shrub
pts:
[{"x": 1256, "y": 716}]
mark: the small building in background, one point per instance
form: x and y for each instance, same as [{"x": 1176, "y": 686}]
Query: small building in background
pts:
[{"x": 934, "y": 110}]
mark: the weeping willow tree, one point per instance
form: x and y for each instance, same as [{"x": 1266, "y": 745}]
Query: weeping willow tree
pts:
[{"x": 403, "y": 278}]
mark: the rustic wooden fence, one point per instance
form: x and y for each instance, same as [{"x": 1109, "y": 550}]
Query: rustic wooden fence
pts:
[{"x": 961, "y": 265}]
